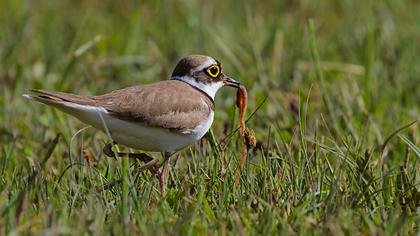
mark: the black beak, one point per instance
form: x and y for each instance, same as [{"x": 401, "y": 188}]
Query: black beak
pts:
[{"x": 231, "y": 82}]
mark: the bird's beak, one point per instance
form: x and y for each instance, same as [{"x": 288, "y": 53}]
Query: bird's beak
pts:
[{"x": 230, "y": 82}]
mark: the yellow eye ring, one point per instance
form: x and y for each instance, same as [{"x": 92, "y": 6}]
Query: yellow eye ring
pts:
[{"x": 213, "y": 71}]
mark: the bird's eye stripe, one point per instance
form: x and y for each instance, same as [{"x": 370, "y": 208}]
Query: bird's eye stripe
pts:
[{"x": 213, "y": 71}]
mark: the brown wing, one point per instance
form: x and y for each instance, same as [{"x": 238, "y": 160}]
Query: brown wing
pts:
[{"x": 169, "y": 104}]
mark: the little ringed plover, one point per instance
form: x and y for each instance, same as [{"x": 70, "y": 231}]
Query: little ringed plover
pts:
[{"x": 160, "y": 117}]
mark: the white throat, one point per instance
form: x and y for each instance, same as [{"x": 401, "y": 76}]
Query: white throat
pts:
[{"x": 210, "y": 89}]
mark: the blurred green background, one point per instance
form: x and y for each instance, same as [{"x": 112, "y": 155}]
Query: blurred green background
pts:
[{"x": 331, "y": 83}]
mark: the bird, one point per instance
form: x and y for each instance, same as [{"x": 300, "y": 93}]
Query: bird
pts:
[{"x": 164, "y": 116}]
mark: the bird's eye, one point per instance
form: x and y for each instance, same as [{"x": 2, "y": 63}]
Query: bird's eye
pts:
[{"x": 213, "y": 71}]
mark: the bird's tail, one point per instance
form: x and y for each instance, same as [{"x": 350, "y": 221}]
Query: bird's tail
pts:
[
  {"x": 57, "y": 99},
  {"x": 81, "y": 107}
]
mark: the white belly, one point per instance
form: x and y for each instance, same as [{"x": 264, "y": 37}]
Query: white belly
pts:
[
  {"x": 136, "y": 135},
  {"x": 146, "y": 138}
]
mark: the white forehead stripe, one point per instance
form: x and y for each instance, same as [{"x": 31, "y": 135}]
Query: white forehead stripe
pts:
[{"x": 208, "y": 63}]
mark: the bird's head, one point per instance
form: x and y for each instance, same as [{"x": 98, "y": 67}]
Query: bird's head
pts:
[{"x": 204, "y": 73}]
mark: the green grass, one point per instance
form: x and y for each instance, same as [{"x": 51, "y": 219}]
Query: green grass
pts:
[{"x": 337, "y": 84}]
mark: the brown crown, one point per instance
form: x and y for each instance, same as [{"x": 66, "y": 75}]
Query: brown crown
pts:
[{"x": 187, "y": 63}]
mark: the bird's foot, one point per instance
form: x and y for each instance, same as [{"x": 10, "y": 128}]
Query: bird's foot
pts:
[{"x": 150, "y": 163}]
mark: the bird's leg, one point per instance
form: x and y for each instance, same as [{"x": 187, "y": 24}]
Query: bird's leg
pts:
[
  {"x": 151, "y": 164},
  {"x": 148, "y": 165},
  {"x": 107, "y": 150},
  {"x": 164, "y": 173}
]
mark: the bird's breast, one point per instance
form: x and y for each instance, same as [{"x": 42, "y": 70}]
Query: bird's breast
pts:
[{"x": 201, "y": 129}]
